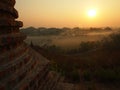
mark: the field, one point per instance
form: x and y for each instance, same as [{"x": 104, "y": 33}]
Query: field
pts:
[
  {"x": 69, "y": 39},
  {"x": 89, "y": 69}
]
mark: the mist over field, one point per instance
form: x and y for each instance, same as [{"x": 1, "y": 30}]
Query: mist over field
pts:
[{"x": 65, "y": 38}]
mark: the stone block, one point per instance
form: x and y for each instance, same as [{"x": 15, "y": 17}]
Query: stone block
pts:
[
  {"x": 8, "y": 9},
  {"x": 10, "y": 23},
  {"x": 8, "y": 2}
]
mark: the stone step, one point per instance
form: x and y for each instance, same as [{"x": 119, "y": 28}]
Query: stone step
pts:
[
  {"x": 52, "y": 82},
  {"x": 17, "y": 70},
  {"x": 65, "y": 86},
  {"x": 10, "y": 56},
  {"x": 15, "y": 61}
]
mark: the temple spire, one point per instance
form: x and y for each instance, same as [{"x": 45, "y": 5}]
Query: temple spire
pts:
[{"x": 9, "y": 27}]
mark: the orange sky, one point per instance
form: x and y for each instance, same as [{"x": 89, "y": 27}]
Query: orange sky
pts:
[{"x": 68, "y": 13}]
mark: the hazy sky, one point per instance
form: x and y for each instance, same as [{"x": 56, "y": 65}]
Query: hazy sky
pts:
[{"x": 68, "y": 13}]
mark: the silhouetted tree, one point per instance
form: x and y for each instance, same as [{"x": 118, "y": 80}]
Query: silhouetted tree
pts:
[
  {"x": 76, "y": 28},
  {"x": 108, "y": 28},
  {"x": 31, "y": 44}
]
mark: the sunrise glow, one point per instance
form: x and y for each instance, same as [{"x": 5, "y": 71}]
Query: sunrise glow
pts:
[
  {"x": 92, "y": 13},
  {"x": 69, "y": 13}
]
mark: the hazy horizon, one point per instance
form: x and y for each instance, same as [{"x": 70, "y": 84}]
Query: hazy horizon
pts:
[{"x": 69, "y": 13}]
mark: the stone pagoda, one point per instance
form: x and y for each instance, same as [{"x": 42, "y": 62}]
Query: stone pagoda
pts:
[{"x": 21, "y": 67}]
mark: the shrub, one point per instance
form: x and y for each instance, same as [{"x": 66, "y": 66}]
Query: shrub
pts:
[
  {"x": 112, "y": 42},
  {"x": 87, "y": 75},
  {"x": 107, "y": 75},
  {"x": 75, "y": 76},
  {"x": 87, "y": 46}
]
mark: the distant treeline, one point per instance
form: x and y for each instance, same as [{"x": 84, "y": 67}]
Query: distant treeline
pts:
[
  {"x": 111, "y": 42},
  {"x": 31, "y": 31}
]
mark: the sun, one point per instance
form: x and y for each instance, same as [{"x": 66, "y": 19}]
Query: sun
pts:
[{"x": 92, "y": 13}]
